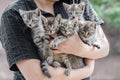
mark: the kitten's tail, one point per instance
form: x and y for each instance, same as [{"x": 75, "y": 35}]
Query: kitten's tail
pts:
[{"x": 45, "y": 69}]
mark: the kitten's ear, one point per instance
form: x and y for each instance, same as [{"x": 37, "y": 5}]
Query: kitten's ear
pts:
[
  {"x": 44, "y": 19},
  {"x": 66, "y": 6},
  {"x": 38, "y": 12},
  {"x": 21, "y": 12},
  {"x": 94, "y": 24},
  {"x": 82, "y": 5},
  {"x": 58, "y": 17}
]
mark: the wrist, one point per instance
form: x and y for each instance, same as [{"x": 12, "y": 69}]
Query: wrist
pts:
[
  {"x": 90, "y": 64},
  {"x": 82, "y": 49}
]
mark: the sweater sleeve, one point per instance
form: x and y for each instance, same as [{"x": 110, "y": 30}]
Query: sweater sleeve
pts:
[{"x": 14, "y": 40}]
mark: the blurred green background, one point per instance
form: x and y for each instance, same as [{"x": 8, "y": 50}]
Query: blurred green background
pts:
[{"x": 109, "y": 10}]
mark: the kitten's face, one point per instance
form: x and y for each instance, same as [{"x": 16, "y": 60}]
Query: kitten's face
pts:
[
  {"x": 67, "y": 27},
  {"x": 51, "y": 24},
  {"x": 74, "y": 10},
  {"x": 88, "y": 29},
  {"x": 30, "y": 18}
]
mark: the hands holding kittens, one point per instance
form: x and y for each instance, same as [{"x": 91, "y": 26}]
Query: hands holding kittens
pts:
[
  {"x": 58, "y": 73},
  {"x": 74, "y": 45}
]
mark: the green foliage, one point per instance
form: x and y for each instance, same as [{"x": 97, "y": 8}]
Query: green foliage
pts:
[{"x": 109, "y": 10}]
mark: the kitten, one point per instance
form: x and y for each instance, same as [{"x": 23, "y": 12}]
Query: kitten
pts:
[
  {"x": 75, "y": 11},
  {"x": 51, "y": 27},
  {"x": 89, "y": 34},
  {"x": 41, "y": 28}
]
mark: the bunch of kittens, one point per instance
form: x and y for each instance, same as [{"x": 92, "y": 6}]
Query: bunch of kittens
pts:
[{"x": 43, "y": 28}]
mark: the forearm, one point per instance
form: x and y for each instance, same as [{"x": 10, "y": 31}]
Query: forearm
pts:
[
  {"x": 30, "y": 69},
  {"x": 74, "y": 45},
  {"x": 80, "y": 73},
  {"x": 83, "y": 72},
  {"x": 58, "y": 73},
  {"x": 92, "y": 52}
]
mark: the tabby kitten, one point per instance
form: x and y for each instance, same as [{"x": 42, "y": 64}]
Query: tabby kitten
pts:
[
  {"x": 75, "y": 11},
  {"x": 88, "y": 33},
  {"x": 41, "y": 28}
]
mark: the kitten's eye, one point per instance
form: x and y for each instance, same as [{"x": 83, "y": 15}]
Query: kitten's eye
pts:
[
  {"x": 77, "y": 12},
  {"x": 83, "y": 32},
  {"x": 56, "y": 29},
  {"x": 88, "y": 33},
  {"x": 27, "y": 21},
  {"x": 70, "y": 13},
  {"x": 33, "y": 21}
]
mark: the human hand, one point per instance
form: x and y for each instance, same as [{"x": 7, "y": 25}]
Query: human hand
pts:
[
  {"x": 58, "y": 73},
  {"x": 31, "y": 70},
  {"x": 89, "y": 62},
  {"x": 72, "y": 45}
]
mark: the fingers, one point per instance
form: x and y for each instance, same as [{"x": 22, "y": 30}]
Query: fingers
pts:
[
  {"x": 59, "y": 69},
  {"x": 90, "y": 63},
  {"x": 67, "y": 46},
  {"x": 56, "y": 51}
]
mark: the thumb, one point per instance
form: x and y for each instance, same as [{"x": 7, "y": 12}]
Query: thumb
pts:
[{"x": 56, "y": 51}]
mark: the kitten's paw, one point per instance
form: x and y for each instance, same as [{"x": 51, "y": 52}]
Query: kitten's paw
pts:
[
  {"x": 49, "y": 60},
  {"x": 97, "y": 45},
  {"x": 67, "y": 72},
  {"x": 56, "y": 64},
  {"x": 89, "y": 44},
  {"x": 52, "y": 45},
  {"x": 45, "y": 69}
]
